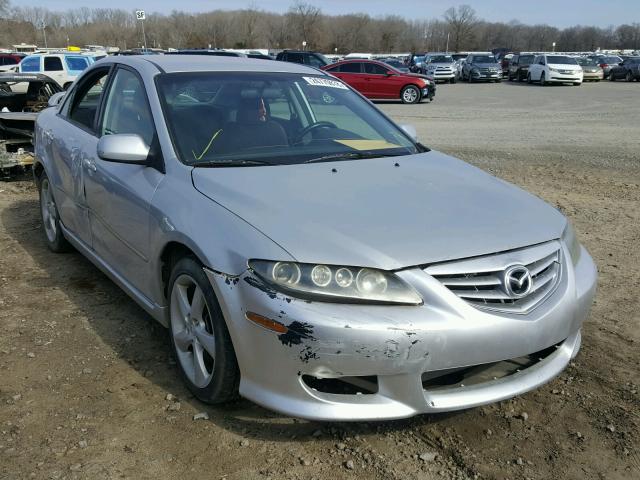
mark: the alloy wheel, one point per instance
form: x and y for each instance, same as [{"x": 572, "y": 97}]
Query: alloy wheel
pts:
[
  {"x": 191, "y": 327},
  {"x": 49, "y": 211}
]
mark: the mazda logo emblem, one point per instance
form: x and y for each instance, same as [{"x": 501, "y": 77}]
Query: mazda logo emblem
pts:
[{"x": 517, "y": 281}]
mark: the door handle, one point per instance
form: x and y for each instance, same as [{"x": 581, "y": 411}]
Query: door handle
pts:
[{"x": 89, "y": 165}]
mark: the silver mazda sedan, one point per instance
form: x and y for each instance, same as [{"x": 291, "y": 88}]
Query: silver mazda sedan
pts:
[{"x": 303, "y": 250}]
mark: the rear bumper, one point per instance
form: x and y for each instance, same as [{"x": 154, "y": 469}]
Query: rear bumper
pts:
[{"x": 397, "y": 348}]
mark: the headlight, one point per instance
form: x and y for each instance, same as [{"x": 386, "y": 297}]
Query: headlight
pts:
[
  {"x": 331, "y": 283},
  {"x": 554, "y": 69},
  {"x": 570, "y": 239}
]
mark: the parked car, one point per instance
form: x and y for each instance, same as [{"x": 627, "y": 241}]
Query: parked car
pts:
[
  {"x": 606, "y": 62},
  {"x": 22, "y": 96},
  {"x": 629, "y": 69},
  {"x": 313, "y": 59},
  {"x": 416, "y": 63},
  {"x": 377, "y": 80},
  {"x": 64, "y": 68},
  {"x": 591, "y": 71},
  {"x": 302, "y": 249},
  {"x": 481, "y": 67},
  {"x": 259, "y": 56},
  {"x": 440, "y": 66},
  {"x": 519, "y": 66},
  {"x": 553, "y": 68},
  {"x": 397, "y": 64},
  {"x": 9, "y": 62}
]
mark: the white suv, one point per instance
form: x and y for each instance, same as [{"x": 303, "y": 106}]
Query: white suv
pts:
[
  {"x": 555, "y": 69},
  {"x": 64, "y": 68}
]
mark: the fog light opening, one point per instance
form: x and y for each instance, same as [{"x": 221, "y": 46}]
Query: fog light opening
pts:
[{"x": 355, "y": 385}]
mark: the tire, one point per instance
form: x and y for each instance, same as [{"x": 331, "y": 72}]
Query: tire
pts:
[
  {"x": 510, "y": 77},
  {"x": 521, "y": 78},
  {"x": 629, "y": 77},
  {"x": 611, "y": 77},
  {"x": 50, "y": 217},
  {"x": 410, "y": 94},
  {"x": 529, "y": 81},
  {"x": 452, "y": 80},
  {"x": 199, "y": 336},
  {"x": 542, "y": 80},
  {"x": 577, "y": 84}
]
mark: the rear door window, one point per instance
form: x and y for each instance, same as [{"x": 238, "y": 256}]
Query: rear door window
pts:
[
  {"x": 353, "y": 67},
  {"x": 52, "y": 64},
  {"x": 374, "y": 69}
]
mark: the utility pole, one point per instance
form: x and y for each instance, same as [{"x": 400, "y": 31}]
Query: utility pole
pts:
[
  {"x": 141, "y": 16},
  {"x": 447, "y": 49},
  {"x": 43, "y": 26}
]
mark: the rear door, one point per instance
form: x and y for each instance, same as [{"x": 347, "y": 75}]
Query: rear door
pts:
[
  {"x": 72, "y": 143},
  {"x": 54, "y": 69},
  {"x": 351, "y": 73},
  {"x": 118, "y": 194}
]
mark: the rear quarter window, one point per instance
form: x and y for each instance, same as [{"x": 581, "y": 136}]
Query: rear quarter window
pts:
[{"x": 30, "y": 64}]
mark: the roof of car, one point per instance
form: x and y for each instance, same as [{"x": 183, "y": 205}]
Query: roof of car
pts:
[{"x": 206, "y": 63}]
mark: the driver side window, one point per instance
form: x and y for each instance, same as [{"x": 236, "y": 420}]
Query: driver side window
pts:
[
  {"x": 86, "y": 100},
  {"x": 127, "y": 109}
]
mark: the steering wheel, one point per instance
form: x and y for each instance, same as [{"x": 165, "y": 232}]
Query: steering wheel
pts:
[{"x": 312, "y": 127}]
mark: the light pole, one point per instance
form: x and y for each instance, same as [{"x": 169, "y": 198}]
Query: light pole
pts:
[
  {"x": 141, "y": 16},
  {"x": 304, "y": 45},
  {"x": 43, "y": 26},
  {"x": 554, "y": 46},
  {"x": 447, "y": 49}
]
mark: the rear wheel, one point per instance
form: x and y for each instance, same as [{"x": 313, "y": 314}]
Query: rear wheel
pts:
[
  {"x": 629, "y": 77},
  {"x": 199, "y": 335},
  {"x": 410, "y": 94},
  {"x": 50, "y": 217},
  {"x": 612, "y": 78}
]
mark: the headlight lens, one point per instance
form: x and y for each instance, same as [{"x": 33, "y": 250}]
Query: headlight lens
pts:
[
  {"x": 332, "y": 283},
  {"x": 571, "y": 241},
  {"x": 554, "y": 69}
]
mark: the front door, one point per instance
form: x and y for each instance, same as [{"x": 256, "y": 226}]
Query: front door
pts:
[{"x": 119, "y": 194}]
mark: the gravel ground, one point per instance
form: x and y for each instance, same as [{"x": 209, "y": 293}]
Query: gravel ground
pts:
[{"x": 88, "y": 388}]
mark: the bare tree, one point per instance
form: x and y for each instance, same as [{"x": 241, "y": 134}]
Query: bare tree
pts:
[
  {"x": 304, "y": 19},
  {"x": 462, "y": 21}
]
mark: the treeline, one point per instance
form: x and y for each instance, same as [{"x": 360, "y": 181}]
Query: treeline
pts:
[{"x": 459, "y": 28}]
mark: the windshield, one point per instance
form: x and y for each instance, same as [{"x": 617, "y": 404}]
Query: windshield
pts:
[
  {"x": 76, "y": 63},
  {"x": 561, "y": 60},
  {"x": 225, "y": 119},
  {"x": 441, "y": 59},
  {"x": 587, "y": 62},
  {"x": 483, "y": 59},
  {"x": 611, "y": 60},
  {"x": 525, "y": 59},
  {"x": 418, "y": 59}
]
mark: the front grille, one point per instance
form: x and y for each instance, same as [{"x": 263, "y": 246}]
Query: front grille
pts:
[{"x": 483, "y": 285}]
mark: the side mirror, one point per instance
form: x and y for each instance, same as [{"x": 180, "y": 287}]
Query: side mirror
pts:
[
  {"x": 410, "y": 130},
  {"x": 390, "y": 73},
  {"x": 56, "y": 99},
  {"x": 123, "y": 148}
]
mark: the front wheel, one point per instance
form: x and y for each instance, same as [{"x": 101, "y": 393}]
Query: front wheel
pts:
[
  {"x": 410, "y": 94},
  {"x": 50, "y": 217},
  {"x": 542, "y": 80},
  {"x": 199, "y": 335},
  {"x": 612, "y": 78}
]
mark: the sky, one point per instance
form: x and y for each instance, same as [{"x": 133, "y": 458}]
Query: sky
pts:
[{"x": 559, "y": 13}]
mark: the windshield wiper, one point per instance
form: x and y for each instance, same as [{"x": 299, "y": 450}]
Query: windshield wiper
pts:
[
  {"x": 231, "y": 163},
  {"x": 351, "y": 155}
]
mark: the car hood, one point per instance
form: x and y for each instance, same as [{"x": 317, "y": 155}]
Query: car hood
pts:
[
  {"x": 485, "y": 65},
  {"x": 564, "y": 66},
  {"x": 428, "y": 208}
]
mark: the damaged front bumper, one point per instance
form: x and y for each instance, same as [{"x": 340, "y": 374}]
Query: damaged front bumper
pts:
[{"x": 364, "y": 362}]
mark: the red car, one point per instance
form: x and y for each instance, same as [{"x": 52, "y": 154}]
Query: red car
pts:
[
  {"x": 8, "y": 61},
  {"x": 377, "y": 80}
]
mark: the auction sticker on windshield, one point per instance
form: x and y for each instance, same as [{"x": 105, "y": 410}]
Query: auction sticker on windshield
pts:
[{"x": 325, "y": 82}]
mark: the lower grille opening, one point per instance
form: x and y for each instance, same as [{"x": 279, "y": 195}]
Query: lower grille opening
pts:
[
  {"x": 476, "y": 374},
  {"x": 343, "y": 385}
]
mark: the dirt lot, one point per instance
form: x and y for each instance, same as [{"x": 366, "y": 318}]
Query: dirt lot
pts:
[{"x": 87, "y": 380}]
